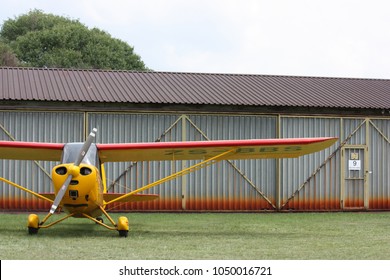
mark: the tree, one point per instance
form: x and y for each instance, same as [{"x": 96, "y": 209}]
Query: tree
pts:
[
  {"x": 7, "y": 56},
  {"x": 45, "y": 40}
]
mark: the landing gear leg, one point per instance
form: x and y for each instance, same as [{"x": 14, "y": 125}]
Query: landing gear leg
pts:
[
  {"x": 122, "y": 226},
  {"x": 34, "y": 225}
]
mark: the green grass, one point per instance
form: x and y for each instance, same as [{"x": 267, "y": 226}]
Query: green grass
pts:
[{"x": 273, "y": 236}]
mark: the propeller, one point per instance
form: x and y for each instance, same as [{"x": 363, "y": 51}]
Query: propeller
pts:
[{"x": 74, "y": 170}]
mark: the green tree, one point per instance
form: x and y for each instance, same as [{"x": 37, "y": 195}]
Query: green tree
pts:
[
  {"x": 7, "y": 56},
  {"x": 45, "y": 40}
]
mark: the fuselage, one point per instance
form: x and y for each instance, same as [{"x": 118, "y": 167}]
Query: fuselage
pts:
[{"x": 85, "y": 191}]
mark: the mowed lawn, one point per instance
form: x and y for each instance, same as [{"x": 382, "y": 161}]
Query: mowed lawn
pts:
[{"x": 164, "y": 236}]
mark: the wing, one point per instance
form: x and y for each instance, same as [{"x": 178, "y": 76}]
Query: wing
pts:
[
  {"x": 30, "y": 150},
  {"x": 192, "y": 150}
]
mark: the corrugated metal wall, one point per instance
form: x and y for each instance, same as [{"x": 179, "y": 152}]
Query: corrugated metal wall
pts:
[
  {"x": 232, "y": 185},
  {"x": 310, "y": 182},
  {"x": 320, "y": 181},
  {"x": 379, "y": 167}
]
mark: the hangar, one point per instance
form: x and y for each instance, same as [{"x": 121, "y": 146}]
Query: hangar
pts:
[{"x": 62, "y": 105}]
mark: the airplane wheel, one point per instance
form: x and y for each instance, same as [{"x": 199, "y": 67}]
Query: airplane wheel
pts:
[
  {"x": 100, "y": 219},
  {"x": 33, "y": 224},
  {"x": 32, "y": 230},
  {"x": 123, "y": 226}
]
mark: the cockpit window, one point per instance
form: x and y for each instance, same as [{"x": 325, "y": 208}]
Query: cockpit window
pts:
[{"x": 72, "y": 150}]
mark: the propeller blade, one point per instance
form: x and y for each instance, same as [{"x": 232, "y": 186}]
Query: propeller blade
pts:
[
  {"x": 60, "y": 194},
  {"x": 83, "y": 152},
  {"x": 85, "y": 148}
]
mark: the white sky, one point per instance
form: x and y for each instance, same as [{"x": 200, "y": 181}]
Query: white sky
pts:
[{"x": 330, "y": 38}]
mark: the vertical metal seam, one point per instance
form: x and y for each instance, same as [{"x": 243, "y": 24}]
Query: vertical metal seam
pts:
[
  {"x": 86, "y": 124},
  {"x": 366, "y": 165},
  {"x": 342, "y": 181},
  {"x": 278, "y": 175},
  {"x": 184, "y": 164}
]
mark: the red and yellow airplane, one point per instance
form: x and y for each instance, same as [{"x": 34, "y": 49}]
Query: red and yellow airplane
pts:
[{"x": 80, "y": 183}]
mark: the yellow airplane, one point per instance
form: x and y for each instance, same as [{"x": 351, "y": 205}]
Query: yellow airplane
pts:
[{"x": 80, "y": 183}]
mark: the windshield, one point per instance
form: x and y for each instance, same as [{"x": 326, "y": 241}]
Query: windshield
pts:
[{"x": 72, "y": 150}]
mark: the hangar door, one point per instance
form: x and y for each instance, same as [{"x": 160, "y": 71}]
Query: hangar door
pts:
[{"x": 354, "y": 181}]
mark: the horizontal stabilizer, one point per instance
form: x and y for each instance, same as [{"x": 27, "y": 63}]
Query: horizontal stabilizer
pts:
[
  {"x": 111, "y": 196},
  {"x": 133, "y": 198},
  {"x": 50, "y": 196}
]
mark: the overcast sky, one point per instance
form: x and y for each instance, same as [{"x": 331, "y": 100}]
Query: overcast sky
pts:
[{"x": 330, "y": 38}]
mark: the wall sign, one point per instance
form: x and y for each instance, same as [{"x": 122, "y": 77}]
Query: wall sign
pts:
[{"x": 354, "y": 164}]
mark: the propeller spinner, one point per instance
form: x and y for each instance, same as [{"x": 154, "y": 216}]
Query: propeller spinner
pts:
[{"x": 75, "y": 170}]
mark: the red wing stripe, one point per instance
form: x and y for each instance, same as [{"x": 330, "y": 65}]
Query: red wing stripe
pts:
[{"x": 33, "y": 145}]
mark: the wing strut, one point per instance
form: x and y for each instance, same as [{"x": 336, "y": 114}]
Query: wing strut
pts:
[
  {"x": 25, "y": 189},
  {"x": 183, "y": 172}
]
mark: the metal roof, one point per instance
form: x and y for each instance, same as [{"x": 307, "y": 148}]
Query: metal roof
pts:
[{"x": 38, "y": 84}]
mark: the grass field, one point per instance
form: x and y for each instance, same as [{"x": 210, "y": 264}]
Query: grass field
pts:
[{"x": 163, "y": 236}]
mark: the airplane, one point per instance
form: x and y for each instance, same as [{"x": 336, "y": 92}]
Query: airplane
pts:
[{"x": 79, "y": 180}]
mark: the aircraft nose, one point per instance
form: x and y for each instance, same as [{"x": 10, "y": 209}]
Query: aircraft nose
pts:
[{"x": 74, "y": 171}]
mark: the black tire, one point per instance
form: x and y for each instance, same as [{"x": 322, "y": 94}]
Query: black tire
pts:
[
  {"x": 123, "y": 233},
  {"x": 32, "y": 231},
  {"x": 100, "y": 219}
]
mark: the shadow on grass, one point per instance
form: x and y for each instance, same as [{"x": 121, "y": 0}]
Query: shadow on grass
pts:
[{"x": 78, "y": 230}]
